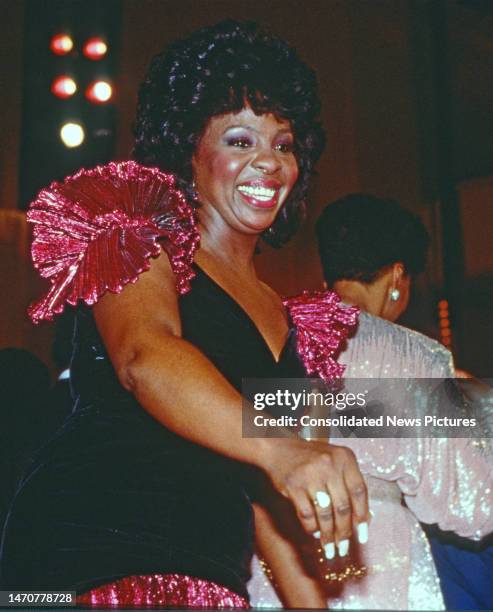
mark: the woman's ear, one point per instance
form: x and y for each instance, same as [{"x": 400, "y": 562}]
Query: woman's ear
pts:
[
  {"x": 399, "y": 291},
  {"x": 398, "y": 274}
]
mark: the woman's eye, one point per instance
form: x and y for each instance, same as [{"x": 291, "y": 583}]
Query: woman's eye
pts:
[
  {"x": 285, "y": 147},
  {"x": 240, "y": 143}
]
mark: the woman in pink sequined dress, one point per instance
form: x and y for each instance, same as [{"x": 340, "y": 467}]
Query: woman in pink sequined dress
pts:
[
  {"x": 143, "y": 498},
  {"x": 441, "y": 481}
]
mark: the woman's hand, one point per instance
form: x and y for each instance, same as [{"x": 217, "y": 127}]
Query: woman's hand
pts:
[{"x": 325, "y": 485}]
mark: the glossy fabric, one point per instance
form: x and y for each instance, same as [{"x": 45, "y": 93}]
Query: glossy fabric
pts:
[
  {"x": 166, "y": 591},
  {"x": 98, "y": 229},
  {"x": 116, "y": 494},
  {"x": 448, "y": 482}
]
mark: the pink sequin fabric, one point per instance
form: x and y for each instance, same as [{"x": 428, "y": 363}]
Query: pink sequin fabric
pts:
[
  {"x": 157, "y": 591},
  {"x": 98, "y": 229},
  {"x": 322, "y": 326}
]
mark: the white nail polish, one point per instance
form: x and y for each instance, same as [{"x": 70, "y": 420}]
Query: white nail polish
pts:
[
  {"x": 363, "y": 533},
  {"x": 316, "y": 534},
  {"x": 330, "y": 550},
  {"x": 343, "y": 548}
]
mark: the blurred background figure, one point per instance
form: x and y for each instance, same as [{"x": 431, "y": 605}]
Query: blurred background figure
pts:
[{"x": 371, "y": 249}]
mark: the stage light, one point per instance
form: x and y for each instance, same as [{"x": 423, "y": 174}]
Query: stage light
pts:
[
  {"x": 99, "y": 92},
  {"x": 61, "y": 44},
  {"x": 72, "y": 134},
  {"x": 63, "y": 87},
  {"x": 95, "y": 48}
]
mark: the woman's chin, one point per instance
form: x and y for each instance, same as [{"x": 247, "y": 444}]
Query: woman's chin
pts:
[
  {"x": 255, "y": 228},
  {"x": 257, "y": 222}
]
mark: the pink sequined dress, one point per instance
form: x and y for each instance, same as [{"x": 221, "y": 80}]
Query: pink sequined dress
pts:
[{"x": 443, "y": 481}]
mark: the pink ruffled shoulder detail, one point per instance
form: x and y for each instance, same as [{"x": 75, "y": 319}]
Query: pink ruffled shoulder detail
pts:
[
  {"x": 322, "y": 325},
  {"x": 98, "y": 229}
]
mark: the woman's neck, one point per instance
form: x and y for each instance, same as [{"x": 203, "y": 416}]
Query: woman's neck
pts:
[
  {"x": 369, "y": 297},
  {"x": 224, "y": 249}
]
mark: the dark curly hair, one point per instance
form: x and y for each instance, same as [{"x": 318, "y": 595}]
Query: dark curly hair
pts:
[
  {"x": 221, "y": 69},
  {"x": 360, "y": 235}
]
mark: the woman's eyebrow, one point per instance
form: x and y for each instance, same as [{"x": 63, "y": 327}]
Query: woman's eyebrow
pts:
[
  {"x": 243, "y": 127},
  {"x": 251, "y": 128},
  {"x": 286, "y": 130}
]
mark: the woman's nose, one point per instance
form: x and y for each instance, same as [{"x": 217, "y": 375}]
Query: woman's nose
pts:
[{"x": 266, "y": 162}]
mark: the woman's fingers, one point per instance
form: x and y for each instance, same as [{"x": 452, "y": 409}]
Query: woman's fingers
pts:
[
  {"x": 350, "y": 501},
  {"x": 359, "y": 501},
  {"x": 342, "y": 513},
  {"x": 304, "y": 509},
  {"x": 314, "y": 511},
  {"x": 322, "y": 502},
  {"x": 342, "y": 503},
  {"x": 329, "y": 494}
]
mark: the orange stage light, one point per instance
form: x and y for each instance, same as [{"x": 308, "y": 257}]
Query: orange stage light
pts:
[
  {"x": 61, "y": 44},
  {"x": 63, "y": 87},
  {"x": 95, "y": 48},
  {"x": 99, "y": 92}
]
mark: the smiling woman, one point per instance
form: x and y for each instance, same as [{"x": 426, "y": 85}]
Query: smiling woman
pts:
[
  {"x": 144, "y": 497},
  {"x": 244, "y": 169},
  {"x": 233, "y": 69}
]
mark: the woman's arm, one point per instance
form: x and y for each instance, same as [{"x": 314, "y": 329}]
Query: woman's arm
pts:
[
  {"x": 294, "y": 585},
  {"x": 178, "y": 386},
  {"x": 290, "y": 554}
]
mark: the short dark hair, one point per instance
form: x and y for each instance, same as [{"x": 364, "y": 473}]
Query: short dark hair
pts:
[
  {"x": 360, "y": 235},
  {"x": 219, "y": 70}
]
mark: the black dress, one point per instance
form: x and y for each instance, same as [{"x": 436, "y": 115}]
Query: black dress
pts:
[{"x": 115, "y": 493}]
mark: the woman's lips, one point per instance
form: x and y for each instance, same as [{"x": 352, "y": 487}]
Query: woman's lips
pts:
[{"x": 260, "y": 194}]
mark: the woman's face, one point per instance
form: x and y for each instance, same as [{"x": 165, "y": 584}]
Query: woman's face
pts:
[{"x": 244, "y": 168}]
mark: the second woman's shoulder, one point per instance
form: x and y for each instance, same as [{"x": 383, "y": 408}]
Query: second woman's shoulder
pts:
[{"x": 389, "y": 349}]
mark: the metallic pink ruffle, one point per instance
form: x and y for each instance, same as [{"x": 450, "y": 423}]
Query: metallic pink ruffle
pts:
[
  {"x": 322, "y": 325},
  {"x": 168, "y": 590},
  {"x": 98, "y": 229}
]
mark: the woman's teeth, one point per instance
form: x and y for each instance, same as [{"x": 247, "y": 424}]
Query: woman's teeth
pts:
[{"x": 260, "y": 193}]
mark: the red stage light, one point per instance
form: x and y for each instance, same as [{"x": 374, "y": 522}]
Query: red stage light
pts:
[
  {"x": 99, "y": 92},
  {"x": 63, "y": 87},
  {"x": 95, "y": 48},
  {"x": 61, "y": 44}
]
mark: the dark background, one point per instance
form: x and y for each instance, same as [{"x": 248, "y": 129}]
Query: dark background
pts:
[{"x": 407, "y": 91}]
